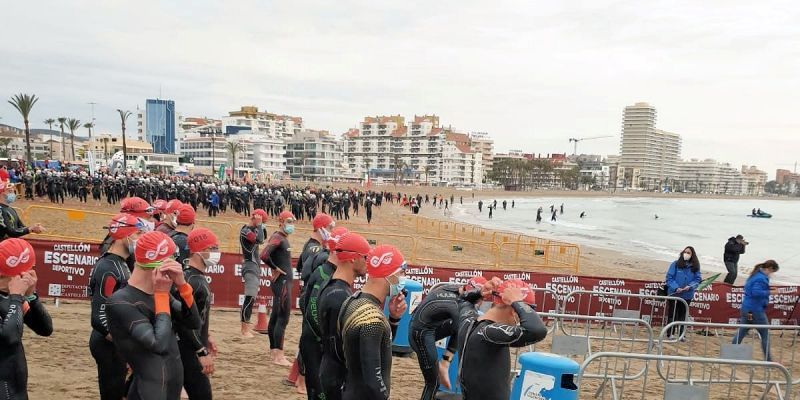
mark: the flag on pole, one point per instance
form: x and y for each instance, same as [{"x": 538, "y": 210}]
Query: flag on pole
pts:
[{"x": 707, "y": 282}]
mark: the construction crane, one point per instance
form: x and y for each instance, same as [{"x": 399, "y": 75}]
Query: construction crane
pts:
[{"x": 576, "y": 140}]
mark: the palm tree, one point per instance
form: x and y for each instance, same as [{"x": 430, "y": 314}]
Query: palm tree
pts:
[
  {"x": 5, "y": 142},
  {"x": 233, "y": 149},
  {"x": 24, "y": 104},
  {"x": 61, "y": 122},
  {"x": 428, "y": 170},
  {"x": 123, "y": 115},
  {"x": 72, "y": 124},
  {"x": 105, "y": 144},
  {"x": 89, "y": 126},
  {"x": 50, "y": 122}
]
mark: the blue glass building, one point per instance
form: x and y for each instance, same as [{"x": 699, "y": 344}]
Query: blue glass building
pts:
[{"x": 160, "y": 125}]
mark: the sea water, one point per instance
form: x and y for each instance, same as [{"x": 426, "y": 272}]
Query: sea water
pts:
[{"x": 629, "y": 225}]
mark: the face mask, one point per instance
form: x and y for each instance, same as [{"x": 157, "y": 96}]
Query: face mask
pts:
[
  {"x": 11, "y": 197},
  {"x": 395, "y": 289},
  {"x": 687, "y": 257},
  {"x": 213, "y": 258},
  {"x": 289, "y": 229},
  {"x": 174, "y": 220},
  {"x": 131, "y": 246},
  {"x": 324, "y": 234}
]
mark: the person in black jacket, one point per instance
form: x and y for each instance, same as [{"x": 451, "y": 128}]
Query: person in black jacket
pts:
[
  {"x": 110, "y": 274},
  {"x": 19, "y": 305},
  {"x": 197, "y": 348},
  {"x": 11, "y": 225},
  {"x": 733, "y": 249}
]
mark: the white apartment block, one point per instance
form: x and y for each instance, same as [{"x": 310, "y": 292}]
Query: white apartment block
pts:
[
  {"x": 754, "y": 180},
  {"x": 420, "y": 150},
  {"x": 647, "y": 155},
  {"x": 482, "y": 143},
  {"x": 257, "y": 154},
  {"x": 313, "y": 155},
  {"x": 274, "y": 126},
  {"x": 206, "y": 150},
  {"x": 708, "y": 176}
]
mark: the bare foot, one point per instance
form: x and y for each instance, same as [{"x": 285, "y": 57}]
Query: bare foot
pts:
[
  {"x": 247, "y": 331},
  {"x": 283, "y": 362}
]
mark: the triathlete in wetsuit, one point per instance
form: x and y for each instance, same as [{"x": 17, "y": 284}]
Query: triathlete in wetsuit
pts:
[
  {"x": 169, "y": 217},
  {"x": 140, "y": 319},
  {"x": 250, "y": 237},
  {"x": 485, "y": 356},
  {"x": 349, "y": 257},
  {"x": 366, "y": 333},
  {"x": 110, "y": 274},
  {"x": 434, "y": 319},
  {"x": 321, "y": 223},
  {"x": 310, "y": 336},
  {"x": 139, "y": 208},
  {"x": 277, "y": 255},
  {"x": 19, "y": 306},
  {"x": 180, "y": 235},
  {"x": 195, "y": 345}
]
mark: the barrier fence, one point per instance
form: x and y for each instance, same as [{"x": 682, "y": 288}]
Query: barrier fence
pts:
[
  {"x": 679, "y": 383},
  {"x": 515, "y": 250},
  {"x": 713, "y": 340},
  {"x": 653, "y": 309}
]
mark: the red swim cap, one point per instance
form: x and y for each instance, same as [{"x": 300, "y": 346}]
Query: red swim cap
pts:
[
  {"x": 16, "y": 257},
  {"x": 321, "y": 220},
  {"x": 475, "y": 282},
  {"x": 384, "y": 260},
  {"x": 336, "y": 234},
  {"x": 153, "y": 247},
  {"x": 137, "y": 207},
  {"x": 527, "y": 292},
  {"x": 201, "y": 239},
  {"x": 186, "y": 214},
  {"x": 262, "y": 213},
  {"x": 283, "y": 216},
  {"x": 123, "y": 225},
  {"x": 159, "y": 206},
  {"x": 172, "y": 206},
  {"x": 350, "y": 246}
]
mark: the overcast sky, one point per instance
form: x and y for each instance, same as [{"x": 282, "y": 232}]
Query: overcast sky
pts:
[{"x": 725, "y": 75}]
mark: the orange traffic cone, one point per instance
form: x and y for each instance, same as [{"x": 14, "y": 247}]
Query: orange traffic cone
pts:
[
  {"x": 291, "y": 379},
  {"x": 261, "y": 325}
]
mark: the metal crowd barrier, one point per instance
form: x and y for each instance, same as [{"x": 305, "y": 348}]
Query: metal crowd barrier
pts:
[
  {"x": 714, "y": 340},
  {"x": 679, "y": 383},
  {"x": 579, "y": 336},
  {"x": 652, "y": 309}
]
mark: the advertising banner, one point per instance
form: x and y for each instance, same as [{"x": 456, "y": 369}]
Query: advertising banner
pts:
[{"x": 64, "y": 268}]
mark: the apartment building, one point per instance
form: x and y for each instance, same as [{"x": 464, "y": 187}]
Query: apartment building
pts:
[
  {"x": 271, "y": 125},
  {"x": 647, "y": 155},
  {"x": 314, "y": 155},
  {"x": 417, "y": 150}
]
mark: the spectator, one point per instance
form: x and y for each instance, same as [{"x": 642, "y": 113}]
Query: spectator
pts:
[
  {"x": 754, "y": 305},
  {"x": 733, "y": 249},
  {"x": 683, "y": 277}
]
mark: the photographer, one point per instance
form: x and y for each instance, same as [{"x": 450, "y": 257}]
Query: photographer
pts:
[{"x": 733, "y": 249}]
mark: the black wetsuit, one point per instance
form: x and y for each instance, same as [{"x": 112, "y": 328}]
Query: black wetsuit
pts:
[
  {"x": 332, "y": 370},
  {"x": 11, "y": 225},
  {"x": 485, "y": 357},
  {"x": 182, "y": 243},
  {"x": 13, "y": 365},
  {"x": 147, "y": 341},
  {"x": 367, "y": 342},
  {"x": 311, "y": 335},
  {"x": 434, "y": 319},
  {"x": 108, "y": 275},
  {"x": 190, "y": 341},
  {"x": 305, "y": 267},
  {"x": 277, "y": 255},
  {"x": 250, "y": 237}
]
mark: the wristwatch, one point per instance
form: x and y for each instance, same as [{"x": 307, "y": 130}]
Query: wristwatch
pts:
[
  {"x": 202, "y": 352},
  {"x": 446, "y": 357}
]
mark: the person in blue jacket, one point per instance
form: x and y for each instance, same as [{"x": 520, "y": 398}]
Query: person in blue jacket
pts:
[
  {"x": 754, "y": 305},
  {"x": 683, "y": 277}
]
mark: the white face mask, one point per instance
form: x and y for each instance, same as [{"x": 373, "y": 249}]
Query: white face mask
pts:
[
  {"x": 213, "y": 258},
  {"x": 324, "y": 234},
  {"x": 687, "y": 257}
]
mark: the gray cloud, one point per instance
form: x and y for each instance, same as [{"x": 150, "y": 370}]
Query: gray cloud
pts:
[{"x": 722, "y": 74}]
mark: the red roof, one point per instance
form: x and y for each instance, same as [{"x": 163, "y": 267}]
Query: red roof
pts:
[{"x": 400, "y": 131}]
